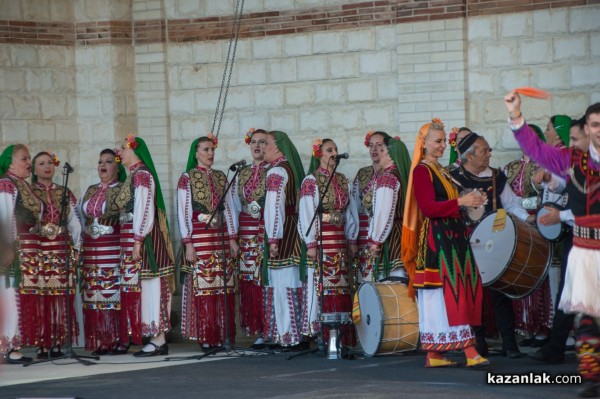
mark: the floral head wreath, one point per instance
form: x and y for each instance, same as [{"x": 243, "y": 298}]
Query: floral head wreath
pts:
[
  {"x": 117, "y": 155},
  {"x": 368, "y": 137},
  {"x": 131, "y": 142},
  {"x": 214, "y": 139},
  {"x": 55, "y": 159},
  {"x": 248, "y": 137},
  {"x": 316, "y": 148},
  {"x": 437, "y": 120},
  {"x": 452, "y": 136}
]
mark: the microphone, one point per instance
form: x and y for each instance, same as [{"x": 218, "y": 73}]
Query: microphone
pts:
[
  {"x": 342, "y": 156},
  {"x": 237, "y": 165},
  {"x": 68, "y": 168}
]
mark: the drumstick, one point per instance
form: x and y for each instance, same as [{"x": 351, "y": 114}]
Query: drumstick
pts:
[{"x": 533, "y": 92}]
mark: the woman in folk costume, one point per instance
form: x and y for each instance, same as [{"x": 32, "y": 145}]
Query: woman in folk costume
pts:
[
  {"x": 385, "y": 224},
  {"x": 45, "y": 296},
  {"x": 146, "y": 274},
  {"x": 198, "y": 193},
  {"x": 581, "y": 168},
  {"x": 101, "y": 293},
  {"x": 454, "y": 137},
  {"x": 437, "y": 254},
  {"x": 362, "y": 191},
  {"x": 20, "y": 211},
  {"x": 340, "y": 227},
  {"x": 281, "y": 255},
  {"x": 248, "y": 194}
]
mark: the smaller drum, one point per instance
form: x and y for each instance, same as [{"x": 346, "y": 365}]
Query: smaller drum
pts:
[
  {"x": 389, "y": 319},
  {"x": 553, "y": 232},
  {"x": 335, "y": 320}
]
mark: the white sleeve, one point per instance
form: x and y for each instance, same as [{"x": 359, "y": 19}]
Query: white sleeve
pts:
[
  {"x": 511, "y": 203},
  {"x": 556, "y": 184},
  {"x": 385, "y": 198},
  {"x": 567, "y": 217},
  {"x": 8, "y": 200},
  {"x": 277, "y": 179},
  {"x": 351, "y": 215},
  {"x": 144, "y": 206},
  {"x": 356, "y": 193},
  {"x": 231, "y": 217},
  {"x": 236, "y": 204},
  {"x": 74, "y": 222},
  {"x": 309, "y": 200},
  {"x": 184, "y": 208}
]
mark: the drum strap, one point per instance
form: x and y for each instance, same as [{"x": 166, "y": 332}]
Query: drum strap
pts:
[{"x": 494, "y": 189}]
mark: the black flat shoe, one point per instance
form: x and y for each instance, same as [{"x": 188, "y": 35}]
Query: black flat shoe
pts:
[
  {"x": 41, "y": 354},
  {"x": 22, "y": 360},
  {"x": 101, "y": 351},
  {"x": 55, "y": 351},
  {"x": 158, "y": 351},
  {"x": 119, "y": 349},
  {"x": 258, "y": 346}
]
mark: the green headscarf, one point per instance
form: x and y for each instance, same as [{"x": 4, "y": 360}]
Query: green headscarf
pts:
[
  {"x": 122, "y": 175},
  {"x": 453, "y": 155},
  {"x": 6, "y": 159},
  {"x": 285, "y": 145},
  {"x": 192, "y": 161},
  {"x": 143, "y": 154},
  {"x": 538, "y": 131},
  {"x": 562, "y": 125}
]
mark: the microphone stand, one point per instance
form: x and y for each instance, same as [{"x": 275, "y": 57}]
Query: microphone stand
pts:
[
  {"x": 319, "y": 214},
  {"x": 69, "y": 353},
  {"x": 220, "y": 209}
]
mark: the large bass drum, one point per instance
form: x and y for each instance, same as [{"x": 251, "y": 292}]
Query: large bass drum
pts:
[
  {"x": 513, "y": 260},
  {"x": 389, "y": 319}
]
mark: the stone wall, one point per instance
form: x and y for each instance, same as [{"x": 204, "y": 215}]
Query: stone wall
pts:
[{"x": 77, "y": 76}]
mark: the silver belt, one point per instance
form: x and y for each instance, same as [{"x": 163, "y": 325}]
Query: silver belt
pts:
[
  {"x": 252, "y": 209},
  {"x": 530, "y": 203},
  {"x": 205, "y": 217},
  {"x": 49, "y": 230},
  {"x": 126, "y": 217},
  {"x": 96, "y": 229},
  {"x": 335, "y": 218}
]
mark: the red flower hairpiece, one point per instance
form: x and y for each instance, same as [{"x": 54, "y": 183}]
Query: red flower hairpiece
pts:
[
  {"x": 397, "y": 138},
  {"x": 55, "y": 159},
  {"x": 248, "y": 137},
  {"x": 131, "y": 142},
  {"x": 368, "y": 137},
  {"x": 316, "y": 148},
  {"x": 214, "y": 139},
  {"x": 452, "y": 136},
  {"x": 437, "y": 120}
]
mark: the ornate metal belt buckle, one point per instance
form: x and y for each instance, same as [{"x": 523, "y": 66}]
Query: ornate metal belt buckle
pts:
[
  {"x": 125, "y": 217},
  {"x": 216, "y": 221},
  {"x": 529, "y": 203},
  {"x": 336, "y": 219},
  {"x": 51, "y": 231},
  {"x": 254, "y": 210},
  {"x": 96, "y": 229}
]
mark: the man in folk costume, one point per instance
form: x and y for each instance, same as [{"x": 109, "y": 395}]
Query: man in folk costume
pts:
[
  {"x": 582, "y": 280},
  {"x": 533, "y": 314},
  {"x": 281, "y": 257},
  {"x": 248, "y": 194},
  {"x": 20, "y": 211},
  {"x": 147, "y": 263},
  {"x": 475, "y": 173},
  {"x": 198, "y": 193}
]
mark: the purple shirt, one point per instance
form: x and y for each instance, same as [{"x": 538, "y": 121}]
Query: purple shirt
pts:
[{"x": 556, "y": 160}]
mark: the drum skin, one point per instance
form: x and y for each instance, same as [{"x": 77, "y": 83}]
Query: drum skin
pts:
[
  {"x": 514, "y": 260},
  {"x": 389, "y": 319},
  {"x": 554, "y": 232}
]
